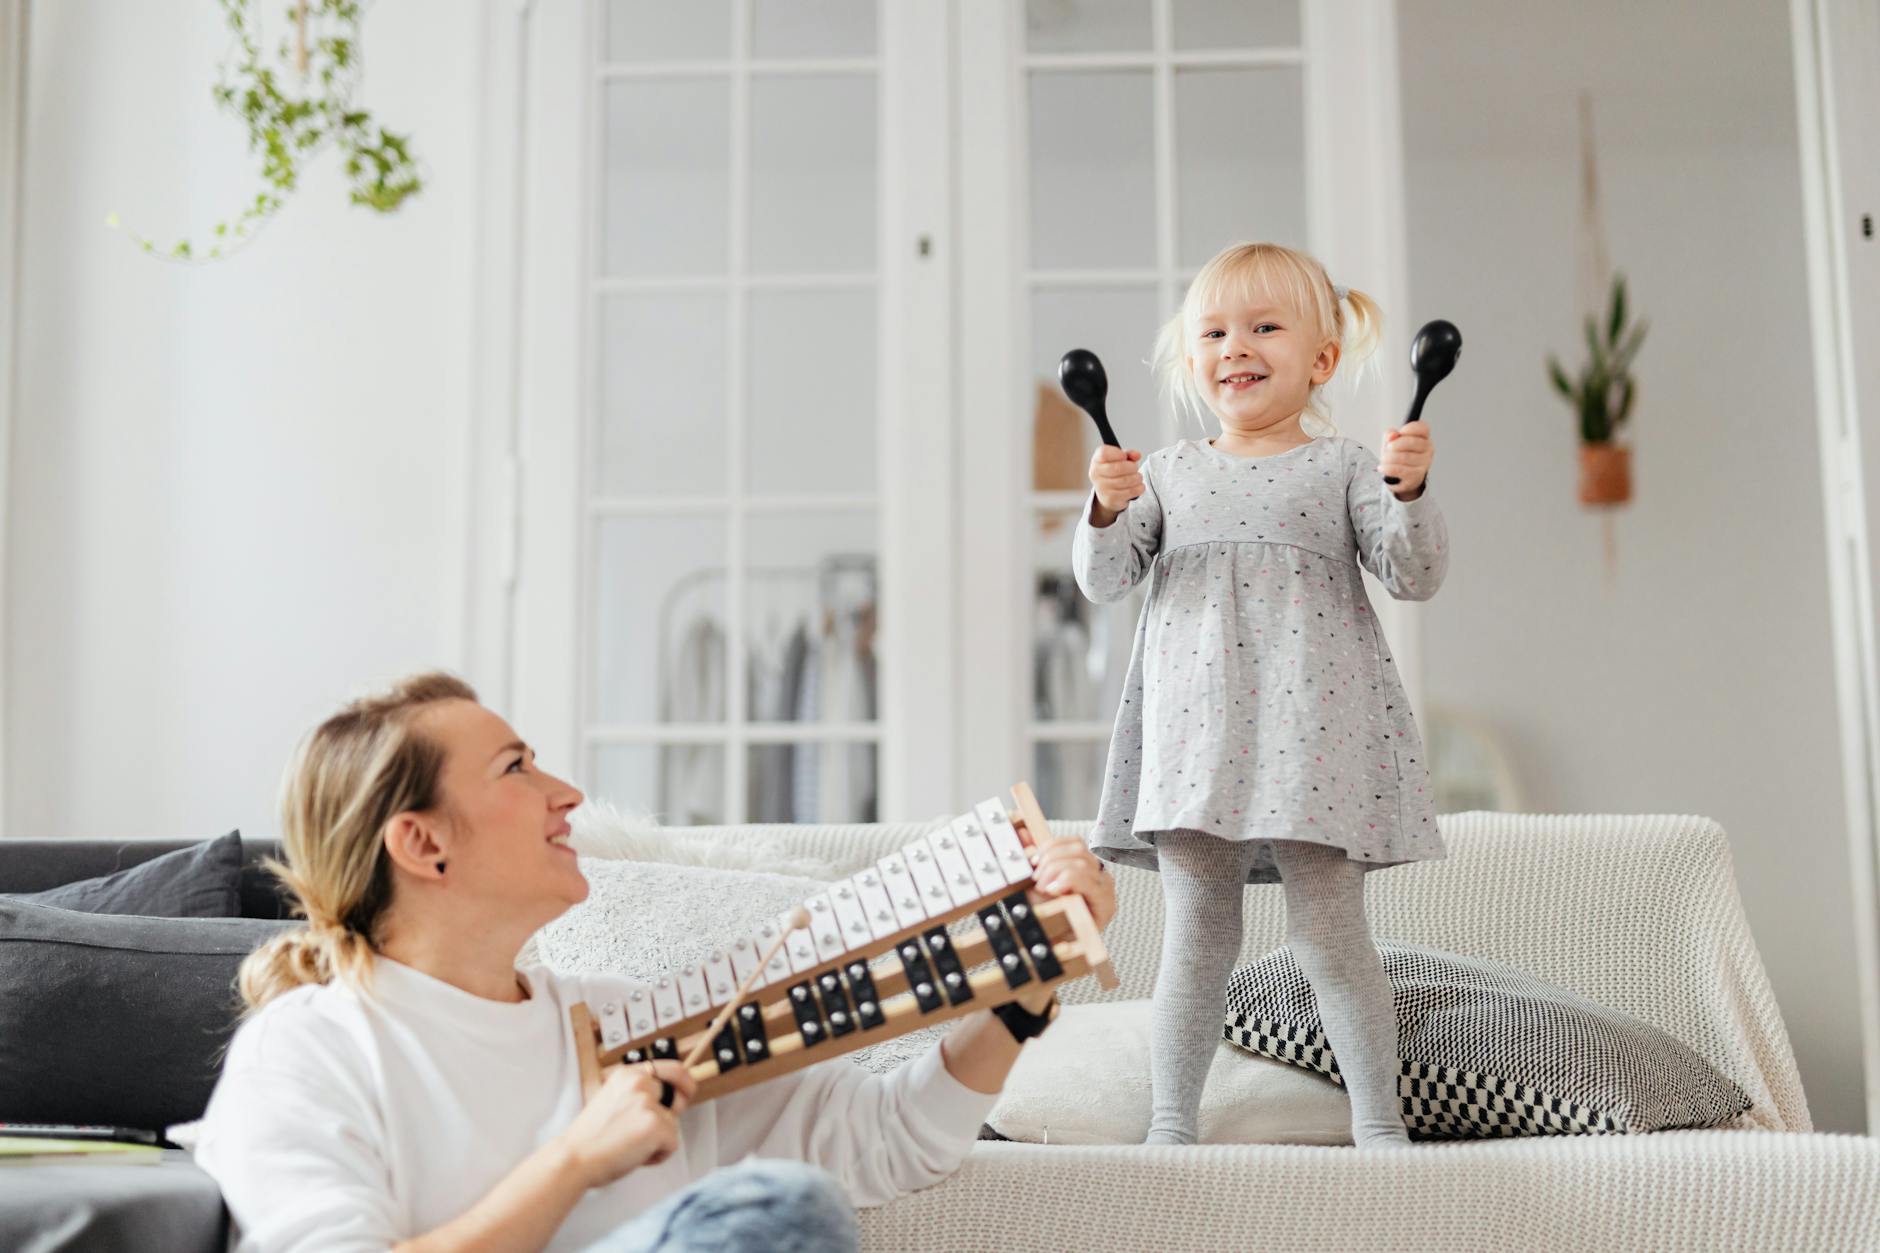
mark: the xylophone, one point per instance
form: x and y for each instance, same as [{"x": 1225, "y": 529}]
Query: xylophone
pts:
[{"x": 808, "y": 985}]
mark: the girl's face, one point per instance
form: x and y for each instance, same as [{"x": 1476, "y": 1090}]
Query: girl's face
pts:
[
  {"x": 1256, "y": 362},
  {"x": 505, "y": 821}
]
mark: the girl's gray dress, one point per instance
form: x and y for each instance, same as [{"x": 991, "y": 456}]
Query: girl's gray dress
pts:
[{"x": 1261, "y": 702}]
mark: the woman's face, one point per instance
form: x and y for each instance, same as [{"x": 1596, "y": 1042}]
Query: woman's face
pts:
[{"x": 505, "y": 821}]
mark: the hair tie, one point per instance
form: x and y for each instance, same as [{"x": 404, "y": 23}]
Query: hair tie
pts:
[{"x": 1340, "y": 291}]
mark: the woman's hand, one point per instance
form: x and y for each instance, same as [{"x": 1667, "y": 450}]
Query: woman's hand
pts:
[
  {"x": 624, "y": 1126},
  {"x": 1117, "y": 476},
  {"x": 1065, "y": 864},
  {"x": 1408, "y": 451}
]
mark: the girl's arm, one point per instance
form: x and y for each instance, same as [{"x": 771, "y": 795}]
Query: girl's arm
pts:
[
  {"x": 1405, "y": 543},
  {"x": 1110, "y": 560}
]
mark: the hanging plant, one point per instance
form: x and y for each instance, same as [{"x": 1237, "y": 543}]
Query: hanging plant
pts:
[
  {"x": 1601, "y": 397},
  {"x": 293, "y": 105}
]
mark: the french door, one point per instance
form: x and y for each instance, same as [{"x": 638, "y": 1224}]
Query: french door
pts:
[{"x": 793, "y": 486}]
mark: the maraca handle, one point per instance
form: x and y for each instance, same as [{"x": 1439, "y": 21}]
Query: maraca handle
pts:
[{"x": 1103, "y": 429}]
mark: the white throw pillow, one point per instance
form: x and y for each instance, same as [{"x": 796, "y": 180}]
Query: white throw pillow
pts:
[
  {"x": 647, "y": 919},
  {"x": 1086, "y": 1081}
]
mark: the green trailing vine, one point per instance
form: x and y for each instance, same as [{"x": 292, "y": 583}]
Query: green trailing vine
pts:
[{"x": 293, "y": 105}]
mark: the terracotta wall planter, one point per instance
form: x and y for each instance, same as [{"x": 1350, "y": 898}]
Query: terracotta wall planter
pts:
[{"x": 1605, "y": 474}]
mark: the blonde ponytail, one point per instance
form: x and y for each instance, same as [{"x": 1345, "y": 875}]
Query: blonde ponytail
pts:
[{"x": 352, "y": 775}]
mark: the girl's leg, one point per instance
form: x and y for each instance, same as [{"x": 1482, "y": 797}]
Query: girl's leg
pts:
[
  {"x": 755, "y": 1207},
  {"x": 1203, "y": 878},
  {"x": 1331, "y": 940}
]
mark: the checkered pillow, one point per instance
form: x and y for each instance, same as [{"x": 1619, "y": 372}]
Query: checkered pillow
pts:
[{"x": 1489, "y": 1050}]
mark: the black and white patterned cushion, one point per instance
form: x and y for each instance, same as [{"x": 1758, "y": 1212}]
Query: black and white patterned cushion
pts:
[{"x": 1489, "y": 1050}]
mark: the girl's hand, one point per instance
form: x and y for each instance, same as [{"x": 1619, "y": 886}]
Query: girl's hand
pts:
[
  {"x": 1408, "y": 451},
  {"x": 624, "y": 1126},
  {"x": 1064, "y": 864},
  {"x": 1116, "y": 476}
]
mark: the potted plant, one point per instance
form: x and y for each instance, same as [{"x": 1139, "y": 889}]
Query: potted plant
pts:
[{"x": 1602, "y": 396}]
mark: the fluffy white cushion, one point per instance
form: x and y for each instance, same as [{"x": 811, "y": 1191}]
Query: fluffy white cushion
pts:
[
  {"x": 1086, "y": 1081},
  {"x": 646, "y": 919}
]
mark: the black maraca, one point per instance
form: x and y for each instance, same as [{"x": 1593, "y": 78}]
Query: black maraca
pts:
[
  {"x": 1432, "y": 355},
  {"x": 1081, "y": 376}
]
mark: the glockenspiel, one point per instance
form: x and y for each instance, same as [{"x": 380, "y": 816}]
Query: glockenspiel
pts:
[{"x": 948, "y": 924}]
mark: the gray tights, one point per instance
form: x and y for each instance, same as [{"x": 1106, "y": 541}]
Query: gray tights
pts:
[{"x": 1203, "y": 878}]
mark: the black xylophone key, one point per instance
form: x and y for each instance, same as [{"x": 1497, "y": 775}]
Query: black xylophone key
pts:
[
  {"x": 665, "y": 1049},
  {"x": 809, "y": 1022},
  {"x": 1031, "y": 936},
  {"x": 725, "y": 1049},
  {"x": 1004, "y": 946},
  {"x": 835, "y": 1004},
  {"x": 920, "y": 979},
  {"x": 947, "y": 962},
  {"x": 867, "y": 1002},
  {"x": 750, "y": 1021}
]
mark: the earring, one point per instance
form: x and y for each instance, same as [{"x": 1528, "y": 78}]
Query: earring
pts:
[{"x": 440, "y": 867}]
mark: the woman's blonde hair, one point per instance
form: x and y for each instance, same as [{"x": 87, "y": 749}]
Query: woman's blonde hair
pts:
[
  {"x": 353, "y": 774},
  {"x": 1290, "y": 279}
]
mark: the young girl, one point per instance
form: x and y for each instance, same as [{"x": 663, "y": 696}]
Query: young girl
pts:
[{"x": 1264, "y": 734}]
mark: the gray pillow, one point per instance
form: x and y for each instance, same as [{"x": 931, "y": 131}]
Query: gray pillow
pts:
[
  {"x": 202, "y": 881},
  {"x": 116, "y": 1020},
  {"x": 1490, "y": 1050}
]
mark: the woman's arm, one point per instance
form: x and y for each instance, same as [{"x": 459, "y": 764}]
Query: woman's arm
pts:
[{"x": 980, "y": 1052}]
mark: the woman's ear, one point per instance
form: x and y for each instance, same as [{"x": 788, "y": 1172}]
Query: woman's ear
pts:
[{"x": 416, "y": 844}]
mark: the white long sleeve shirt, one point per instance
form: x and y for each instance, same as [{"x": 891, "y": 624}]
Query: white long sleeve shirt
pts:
[{"x": 346, "y": 1122}]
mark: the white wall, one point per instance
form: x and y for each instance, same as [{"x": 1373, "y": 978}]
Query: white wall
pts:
[
  {"x": 1701, "y": 681},
  {"x": 236, "y": 491}
]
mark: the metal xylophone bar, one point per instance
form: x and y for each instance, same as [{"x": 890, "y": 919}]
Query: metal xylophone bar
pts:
[{"x": 820, "y": 1000}]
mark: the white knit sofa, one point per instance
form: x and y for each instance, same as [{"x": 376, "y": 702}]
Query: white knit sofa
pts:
[{"x": 1640, "y": 913}]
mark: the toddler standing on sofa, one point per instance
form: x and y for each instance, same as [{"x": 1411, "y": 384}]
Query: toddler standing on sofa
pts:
[{"x": 1264, "y": 734}]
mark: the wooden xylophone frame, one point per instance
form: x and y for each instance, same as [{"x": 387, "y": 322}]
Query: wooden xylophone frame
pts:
[{"x": 1071, "y": 934}]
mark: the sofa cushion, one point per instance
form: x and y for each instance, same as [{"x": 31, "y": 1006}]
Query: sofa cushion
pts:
[
  {"x": 1086, "y": 1081},
  {"x": 201, "y": 881},
  {"x": 1489, "y": 1050},
  {"x": 114, "y": 1019}
]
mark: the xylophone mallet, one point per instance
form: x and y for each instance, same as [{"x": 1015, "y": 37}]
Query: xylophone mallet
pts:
[{"x": 796, "y": 922}]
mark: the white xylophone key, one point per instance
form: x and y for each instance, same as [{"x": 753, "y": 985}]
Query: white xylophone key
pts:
[
  {"x": 641, "y": 1020},
  {"x": 745, "y": 954},
  {"x": 961, "y": 883},
  {"x": 778, "y": 971},
  {"x": 694, "y": 998},
  {"x": 825, "y": 927},
  {"x": 720, "y": 980},
  {"x": 613, "y": 1024},
  {"x": 929, "y": 882},
  {"x": 903, "y": 893},
  {"x": 801, "y": 946},
  {"x": 851, "y": 914},
  {"x": 882, "y": 921},
  {"x": 1006, "y": 844},
  {"x": 980, "y": 859},
  {"x": 666, "y": 1007}
]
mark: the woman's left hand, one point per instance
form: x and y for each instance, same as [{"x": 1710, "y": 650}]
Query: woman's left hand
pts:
[
  {"x": 1408, "y": 451},
  {"x": 1065, "y": 864}
]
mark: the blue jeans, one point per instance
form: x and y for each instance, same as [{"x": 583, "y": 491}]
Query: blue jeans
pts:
[{"x": 756, "y": 1207}]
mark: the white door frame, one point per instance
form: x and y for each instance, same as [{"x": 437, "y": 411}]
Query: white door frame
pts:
[
  {"x": 540, "y": 144},
  {"x": 13, "y": 69},
  {"x": 1837, "y": 86}
]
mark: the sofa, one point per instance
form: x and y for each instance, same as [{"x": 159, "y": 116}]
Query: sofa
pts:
[{"x": 1640, "y": 913}]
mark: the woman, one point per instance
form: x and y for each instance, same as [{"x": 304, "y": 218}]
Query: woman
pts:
[{"x": 400, "y": 1084}]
